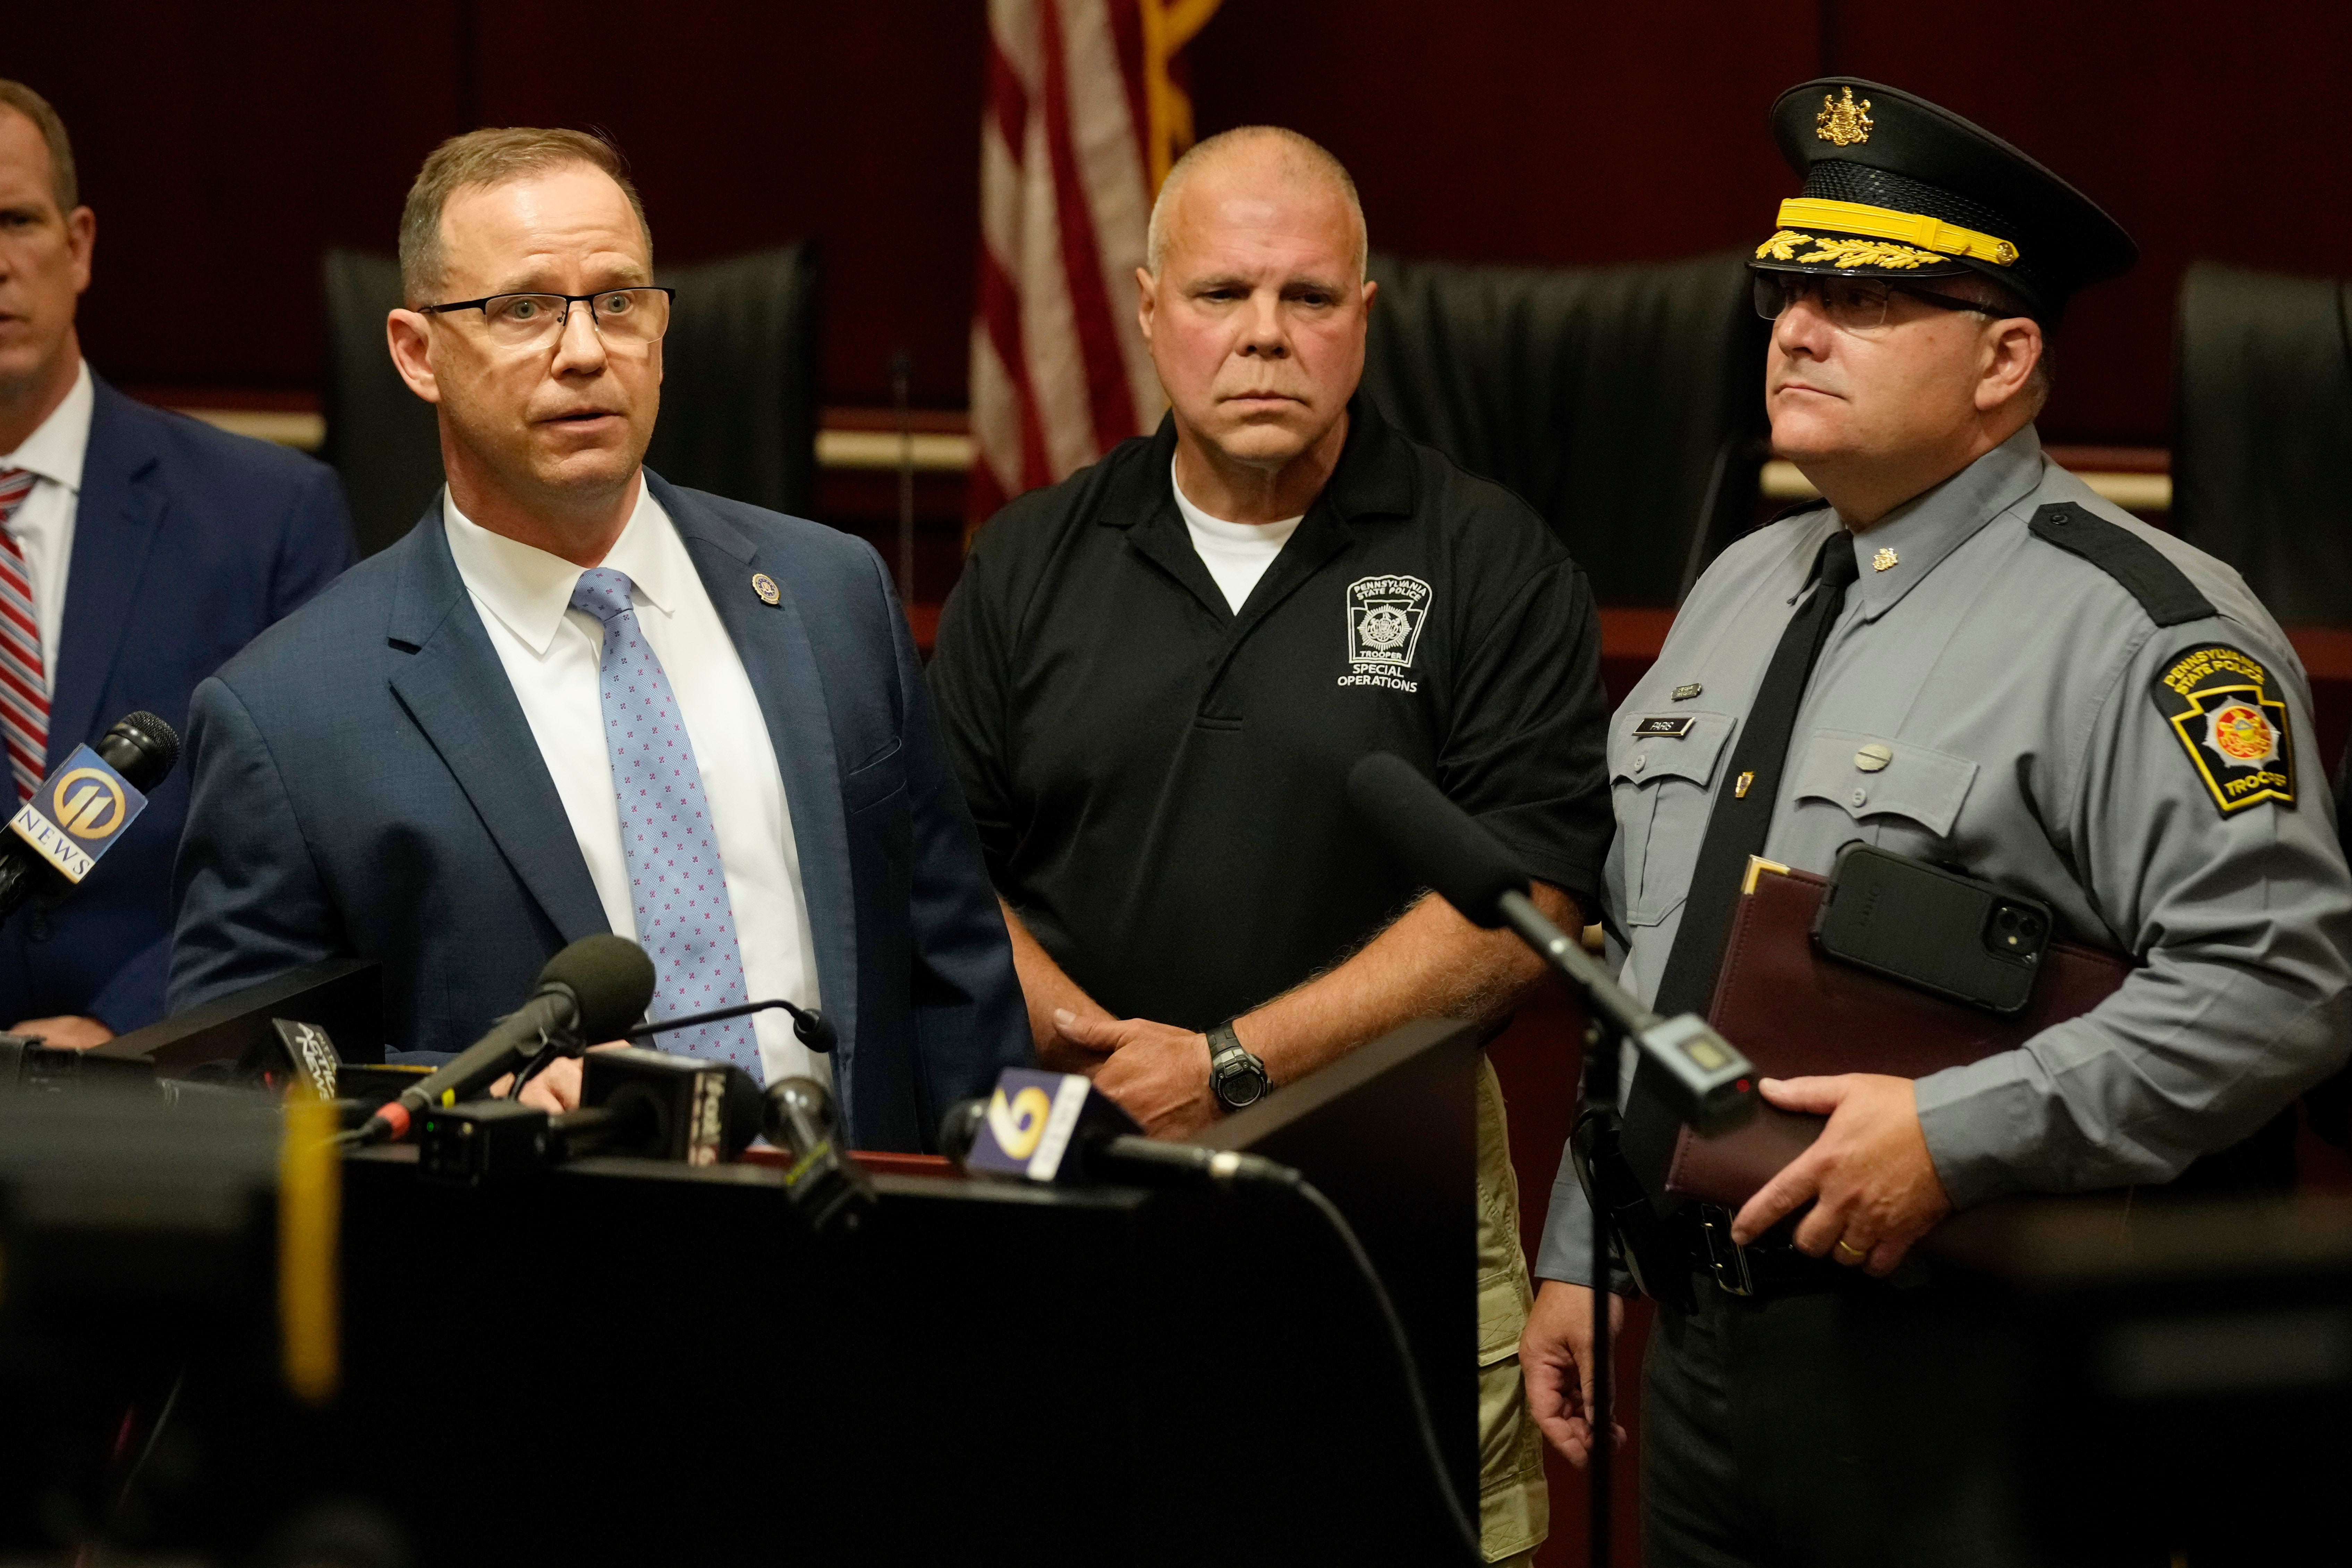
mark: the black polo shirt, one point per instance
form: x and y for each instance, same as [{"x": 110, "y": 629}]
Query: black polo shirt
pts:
[{"x": 1159, "y": 785}]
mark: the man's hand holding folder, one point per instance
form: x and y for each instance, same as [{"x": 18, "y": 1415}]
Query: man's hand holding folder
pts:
[{"x": 1874, "y": 1189}]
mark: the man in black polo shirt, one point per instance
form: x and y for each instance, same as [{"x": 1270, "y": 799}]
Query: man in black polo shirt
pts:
[{"x": 1155, "y": 676}]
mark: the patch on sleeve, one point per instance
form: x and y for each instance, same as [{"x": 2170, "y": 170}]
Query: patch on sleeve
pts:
[{"x": 2220, "y": 703}]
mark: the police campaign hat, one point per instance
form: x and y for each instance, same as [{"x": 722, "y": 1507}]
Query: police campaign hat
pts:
[{"x": 1896, "y": 187}]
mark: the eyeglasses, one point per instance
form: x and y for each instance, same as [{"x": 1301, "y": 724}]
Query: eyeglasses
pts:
[
  {"x": 1851, "y": 305},
  {"x": 624, "y": 316}
]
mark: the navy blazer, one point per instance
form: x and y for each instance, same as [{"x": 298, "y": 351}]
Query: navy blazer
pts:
[
  {"x": 366, "y": 785},
  {"x": 188, "y": 541}
]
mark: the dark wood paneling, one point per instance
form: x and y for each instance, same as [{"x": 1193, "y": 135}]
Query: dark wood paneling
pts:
[
  {"x": 1567, "y": 134},
  {"x": 2207, "y": 131},
  {"x": 1555, "y": 134},
  {"x": 225, "y": 144},
  {"x": 753, "y": 124},
  {"x": 223, "y": 147}
]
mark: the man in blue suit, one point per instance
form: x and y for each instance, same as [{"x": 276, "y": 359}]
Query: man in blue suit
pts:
[
  {"x": 138, "y": 550},
  {"x": 576, "y": 697}
]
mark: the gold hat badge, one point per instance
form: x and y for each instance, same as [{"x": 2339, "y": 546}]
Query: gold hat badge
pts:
[{"x": 1842, "y": 123}]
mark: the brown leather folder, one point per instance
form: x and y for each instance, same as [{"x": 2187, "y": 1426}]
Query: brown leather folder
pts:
[{"x": 1799, "y": 1014}]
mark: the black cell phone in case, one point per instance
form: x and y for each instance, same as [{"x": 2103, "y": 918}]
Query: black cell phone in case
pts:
[{"x": 1939, "y": 931}]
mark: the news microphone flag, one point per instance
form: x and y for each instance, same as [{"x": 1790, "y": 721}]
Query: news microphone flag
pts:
[
  {"x": 78, "y": 813},
  {"x": 1033, "y": 1119}
]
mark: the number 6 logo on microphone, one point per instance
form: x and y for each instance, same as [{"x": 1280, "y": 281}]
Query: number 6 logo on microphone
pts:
[
  {"x": 1019, "y": 1123},
  {"x": 1029, "y": 1122}
]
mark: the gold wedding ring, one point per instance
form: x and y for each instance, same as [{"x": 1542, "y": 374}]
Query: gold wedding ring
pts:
[{"x": 1854, "y": 1251}]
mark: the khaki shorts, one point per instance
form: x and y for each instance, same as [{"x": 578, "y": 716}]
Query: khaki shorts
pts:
[{"x": 1514, "y": 1508}]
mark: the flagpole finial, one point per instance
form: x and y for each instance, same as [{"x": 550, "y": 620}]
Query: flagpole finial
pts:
[{"x": 1168, "y": 26}]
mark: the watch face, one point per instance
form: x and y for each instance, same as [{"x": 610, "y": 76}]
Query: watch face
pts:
[{"x": 1243, "y": 1086}]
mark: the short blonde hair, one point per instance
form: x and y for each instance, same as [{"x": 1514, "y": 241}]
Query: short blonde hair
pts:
[
  {"x": 491, "y": 157},
  {"x": 64, "y": 184},
  {"x": 1304, "y": 150}
]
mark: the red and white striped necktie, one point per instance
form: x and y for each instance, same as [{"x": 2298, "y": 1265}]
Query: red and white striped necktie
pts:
[{"x": 24, "y": 680}]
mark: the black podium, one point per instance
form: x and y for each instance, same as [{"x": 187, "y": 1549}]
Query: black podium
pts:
[{"x": 626, "y": 1360}]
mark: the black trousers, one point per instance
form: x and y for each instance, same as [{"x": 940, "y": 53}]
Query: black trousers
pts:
[{"x": 1846, "y": 1428}]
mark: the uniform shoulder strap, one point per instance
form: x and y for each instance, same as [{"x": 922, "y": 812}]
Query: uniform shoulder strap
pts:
[
  {"x": 2163, "y": 590},
  {"x": 1801, "y": 507}
]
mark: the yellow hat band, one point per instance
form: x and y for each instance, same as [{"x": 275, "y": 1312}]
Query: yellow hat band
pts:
[{"x": 1886, "y": 223}]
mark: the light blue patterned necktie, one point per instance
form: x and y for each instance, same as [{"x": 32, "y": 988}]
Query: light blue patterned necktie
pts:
[{"x": 677, "y": 883}]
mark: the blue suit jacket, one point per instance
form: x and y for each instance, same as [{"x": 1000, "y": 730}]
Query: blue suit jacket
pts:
[
  {"x": 366, "y": 785},
  {"x": 188, "y": 541}
]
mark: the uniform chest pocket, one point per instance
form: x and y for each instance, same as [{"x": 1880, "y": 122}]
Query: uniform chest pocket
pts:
[
  {"x": 1659, "y": 785},
  {"x": 1907, "y": 795}
]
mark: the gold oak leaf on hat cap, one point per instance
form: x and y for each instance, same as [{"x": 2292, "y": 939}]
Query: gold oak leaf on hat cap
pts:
[{"x": 1897, "y": 187}]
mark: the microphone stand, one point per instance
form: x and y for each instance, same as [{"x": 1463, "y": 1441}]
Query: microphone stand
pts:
[
  {"x": 811, "y": 1028},
  {"x": 1716, "y": 1085},
  {"x": 1603, "y": 1035}
]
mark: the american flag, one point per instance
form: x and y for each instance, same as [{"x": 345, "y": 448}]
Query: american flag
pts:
[{"x": 1085, "y": 114}]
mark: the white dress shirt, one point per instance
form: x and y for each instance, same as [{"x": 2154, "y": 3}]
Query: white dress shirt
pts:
[
  {"x": 552, "y": 653},
  {"x": 44, "y": 526},
  {"x": 1236, "y": 553}
]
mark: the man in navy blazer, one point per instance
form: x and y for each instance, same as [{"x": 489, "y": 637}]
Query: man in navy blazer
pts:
[
  {"x": 152, "y": 548},
  {"x": 442, "y": 764}
]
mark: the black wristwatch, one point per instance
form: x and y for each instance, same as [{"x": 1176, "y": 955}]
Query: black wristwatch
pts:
[{"x": 1237, "y": 1078}]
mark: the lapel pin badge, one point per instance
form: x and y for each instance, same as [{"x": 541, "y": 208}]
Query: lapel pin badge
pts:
[
  {"x": 766, "y": 586},
  {"x": 1884, "y": 559}
]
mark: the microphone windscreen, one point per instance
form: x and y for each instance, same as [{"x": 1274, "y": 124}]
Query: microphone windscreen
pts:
[
  {"x": 611, "y": 977},
  {"x": 143, "y": 749},
  {"x": 1444, "y": 847},
  {"x": 745, "y": 1109},
  {"x": 961, "y": 1127}
]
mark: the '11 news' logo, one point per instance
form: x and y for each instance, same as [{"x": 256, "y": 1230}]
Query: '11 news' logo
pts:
[{"x": 78, "y": 813}]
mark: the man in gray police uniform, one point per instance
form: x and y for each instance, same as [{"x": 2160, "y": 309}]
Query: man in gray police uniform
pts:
[{"x": 1965, "y": 657}]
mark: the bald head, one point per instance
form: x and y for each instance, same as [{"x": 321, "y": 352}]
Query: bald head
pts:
[
  {"x": 1253, "y": 307},
  {"x": 1240, "y": 176}
]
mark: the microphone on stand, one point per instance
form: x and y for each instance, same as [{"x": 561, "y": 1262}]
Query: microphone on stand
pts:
[
  {"x": 642, "y": 1104},
  {"x": 829, "y": 1190},
  {"x": 83, "y": 809},
  {"x": 1710, "y": 1084},
  {"x": 1707, "y": 1082},
  {"x": 656, "y": 1106},
  {"x": 1059, "y": 1128},
  {"x": 810, "y": 1028},
  {"x": 592, "y": 991}
]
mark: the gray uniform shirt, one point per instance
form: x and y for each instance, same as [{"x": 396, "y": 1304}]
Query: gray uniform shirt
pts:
[{"x": 2033, "y": 708}]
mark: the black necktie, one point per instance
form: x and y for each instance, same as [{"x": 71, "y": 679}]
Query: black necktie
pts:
[{"x": 1736, "y": 830}]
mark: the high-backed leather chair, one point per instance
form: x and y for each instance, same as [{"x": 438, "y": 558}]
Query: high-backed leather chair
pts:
[
  {"x": 2261, "y": 455},
  {"x": 381, "y": 437},
  {"x": 740, "y": 373},
  {"x": 1624, "y": 403}
]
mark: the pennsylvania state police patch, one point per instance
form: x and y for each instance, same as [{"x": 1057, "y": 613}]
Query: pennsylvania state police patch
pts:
[{"x": 2220, "y": 703}]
